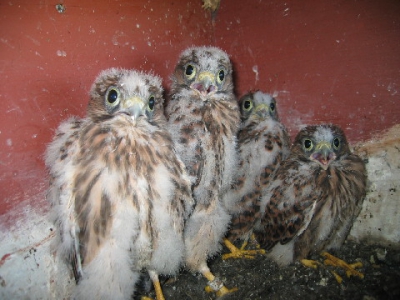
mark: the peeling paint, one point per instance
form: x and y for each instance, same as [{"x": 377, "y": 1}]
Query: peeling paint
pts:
[{"x": 61, "y": 53}]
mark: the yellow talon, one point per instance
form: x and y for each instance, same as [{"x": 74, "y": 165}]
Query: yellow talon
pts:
[
  {"x": 243, "y": 245},
  {"x": 223, "y": 291},
  {"x": 338, "y": 278},
  {"x": 240, "y": 253},
  {"x": 310, "y": 263},
  {"x": 350, "y": 269},
  {"x": 216, "y": 286}
]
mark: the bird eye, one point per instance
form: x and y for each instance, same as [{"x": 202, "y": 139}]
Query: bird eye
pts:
[
  {"x": 247, "y": 105},
  {"x": 336, "y": 143},
  {"x": 272, "y": 106},
  {"x": 190, "y": 71},
  {"x": 152, "y": 102},
  {"x": 112, "y": 97},
  {"x": 308, "y": 144},
  {"x": 221, "y": 76}
]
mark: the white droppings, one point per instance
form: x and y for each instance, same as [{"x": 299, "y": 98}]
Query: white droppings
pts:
[
  {"x": 286, "y": 12},
  {"x": 323, "y": 282},
  {"x": 255, "y": 70},
  {"x": 61, "y": 53},
  {"x": 36, "y": 42},
  {"x": 391, "y": 88},
  {"x": 9, "y": 142},
  {"x": 6, "y": 42},
  {"x": 137, "y": 25}
]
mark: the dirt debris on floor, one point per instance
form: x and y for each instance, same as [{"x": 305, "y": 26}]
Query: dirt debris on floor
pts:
[{"x": 260, "y": 278}]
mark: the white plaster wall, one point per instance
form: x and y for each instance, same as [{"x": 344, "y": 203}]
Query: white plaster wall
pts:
[
  {"x": 28, "y": 267},
  {"x": 379, "y": 220}
]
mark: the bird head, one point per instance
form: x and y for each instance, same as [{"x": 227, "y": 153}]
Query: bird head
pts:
[
  {"x": 322, "y": 144},
  {"x": 258, "y": 106},
  {"x": 130, "y": 93},
  {"x": 206, "y": 71}
]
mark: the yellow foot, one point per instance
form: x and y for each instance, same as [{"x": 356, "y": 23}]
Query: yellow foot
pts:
[
  {"x": 349, "y": 268},
  {"x": 338, "y": 278},
  {"x": 310, "y": 263},
  {"x": 240, "y": 253},
  {"x": 216, "y": 285},
  {"x": 221, "y": 292},
  {"x": 157, "y": 286}
]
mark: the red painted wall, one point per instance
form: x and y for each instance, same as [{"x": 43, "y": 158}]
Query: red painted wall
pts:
[{"x": 327, "y": 61}]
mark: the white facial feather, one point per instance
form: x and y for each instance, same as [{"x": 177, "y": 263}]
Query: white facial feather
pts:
[
  {"x": 323, "y": 134},
  {"x": 207, "y": 62}
]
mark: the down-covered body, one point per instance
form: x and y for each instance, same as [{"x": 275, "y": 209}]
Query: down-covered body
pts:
[
  {"x": 314, "y": 197},
  {"x": 119, "y": 193}
]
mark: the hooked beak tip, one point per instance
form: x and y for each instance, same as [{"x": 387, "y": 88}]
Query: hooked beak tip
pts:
[
  {"x": 323, "y": 159},
  {"x": 203, "y": 89}
]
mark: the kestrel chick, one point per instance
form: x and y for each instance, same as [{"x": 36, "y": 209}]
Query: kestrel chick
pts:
[
  {"x": 203, "y": 120},
  {"x": 263, "y": 143},
  {"x": 314, "y": 197},
  {"x": 118, "y": 191}
]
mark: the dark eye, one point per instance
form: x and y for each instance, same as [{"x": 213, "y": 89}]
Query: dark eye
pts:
[
  {"x": 247, "y": 105},
  {"x": 336, "y": 143},
  {"x": 152, "y": 102},
  {"x": 112, "y": 97},
  {"x": 221, "y": 76},
  {"x": 272, "y": 106},
  {"x": 308, "y": 144},
  {"x": 190, "y": 71}
]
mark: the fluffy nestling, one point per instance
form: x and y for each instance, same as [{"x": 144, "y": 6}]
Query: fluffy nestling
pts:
[
  {"x": 203, "y": 118},
  {"x": 314, "y": 197},
  {"x": 119, "y": 194},
  {"x": 263, "y": 143}
]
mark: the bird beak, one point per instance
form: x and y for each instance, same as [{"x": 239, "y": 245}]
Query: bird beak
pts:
[
  {"x": 262, "y": 111},
  {"x": 205, "y": 84},
  {"x": 323, "y": 154},
  {"x": 133, "y": 107}
]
